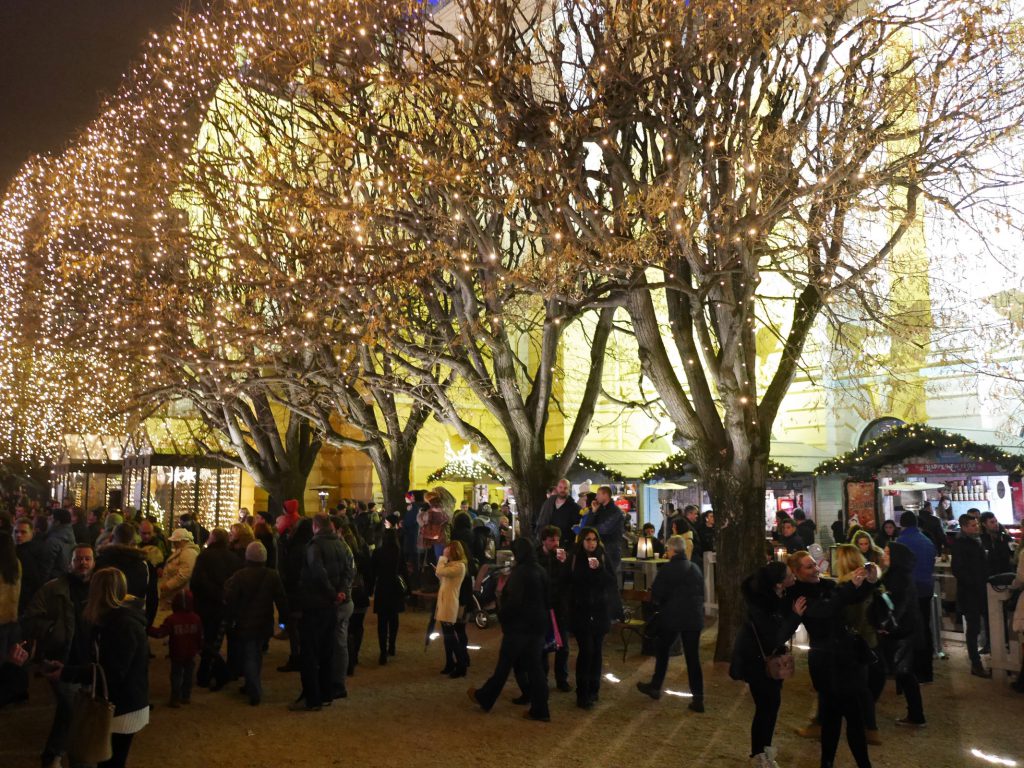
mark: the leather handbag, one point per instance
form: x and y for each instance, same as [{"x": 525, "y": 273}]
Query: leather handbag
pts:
[
  {"x": 92, "y": 718},
  {"x": 778, "y": 666}
]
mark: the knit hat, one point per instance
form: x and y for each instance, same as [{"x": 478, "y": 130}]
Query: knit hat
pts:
[
  {"x": 111, "y": 521},
  {"x": 181, "y": 534},
  {"x": 256, "y": 552}
]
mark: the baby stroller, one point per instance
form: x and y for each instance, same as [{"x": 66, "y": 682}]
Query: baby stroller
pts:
[{"x": 486, "y": 589}]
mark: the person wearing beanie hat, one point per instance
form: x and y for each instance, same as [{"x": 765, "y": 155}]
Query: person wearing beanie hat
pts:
[
  {"x": 250, "y": 595},
  {"x": 256, "y": 552}
]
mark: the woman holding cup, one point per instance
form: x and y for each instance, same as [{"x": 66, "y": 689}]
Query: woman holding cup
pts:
[{"x": 592, "y": 578}]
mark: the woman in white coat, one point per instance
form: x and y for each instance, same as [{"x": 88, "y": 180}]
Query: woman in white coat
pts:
[
  {"x": 452, "y": 569},
  {"x": 177, "y": 571}
]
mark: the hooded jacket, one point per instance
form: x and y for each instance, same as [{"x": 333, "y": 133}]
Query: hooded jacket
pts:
[
  {"x": 250, "y": 596},
  {"x": 773, "y": 620},
  {"x": 329, "y": 570},
  {"x": 525, "y": 601}
]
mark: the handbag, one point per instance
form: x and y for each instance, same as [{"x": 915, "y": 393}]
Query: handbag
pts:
[
  {"x": 778, "y": 666},
  {"x": 553, "y": 641},
  {"x": 91, "y": 721}
]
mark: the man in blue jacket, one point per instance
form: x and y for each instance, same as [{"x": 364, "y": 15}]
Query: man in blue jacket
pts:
[{"x": 924, "y": 581}]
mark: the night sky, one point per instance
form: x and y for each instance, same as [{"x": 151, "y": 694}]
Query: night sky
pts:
[{"x": 58, "y": 60}]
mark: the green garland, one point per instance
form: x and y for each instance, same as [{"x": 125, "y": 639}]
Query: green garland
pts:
[
  {"x": 678, "y": 464},
  {"x": 587, "y": 464},
  {"x": 925, "y": 437}
]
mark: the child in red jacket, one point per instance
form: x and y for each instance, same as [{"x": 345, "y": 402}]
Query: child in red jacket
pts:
[{"x": 185, "y": 630}]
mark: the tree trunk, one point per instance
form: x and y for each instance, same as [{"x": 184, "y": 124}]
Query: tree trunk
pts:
[
  {"x": 737, "y": 496},
  {"x": 291, "y": 485},
  {"x": 393, "y": 472},
  {"x": 529, "y": 483}
]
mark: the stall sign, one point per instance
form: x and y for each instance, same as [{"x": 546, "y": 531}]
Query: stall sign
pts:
[
  {"x": 862, "y": 499},
  {"x": 951, "y": 467}
]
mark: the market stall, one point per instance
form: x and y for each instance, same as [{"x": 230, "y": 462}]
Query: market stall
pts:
[{"x": 89, "y": 471}]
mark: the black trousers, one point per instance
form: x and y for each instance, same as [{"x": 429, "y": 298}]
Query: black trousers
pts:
[
  {"x": 526, "y": 651},
  {"x": 561, "y": 662},
  {"x": 316, "y": 630},
  {"x": 589, "y": 660},
  {"x": 840, "y": 696},
  {"x": 767, "y": 695},
  {"x": 871, "y": 692},
  {"x": 691, "y": 652},
  {"x": 456, "y": 656},
  {"x": 923, "y": 659},
  {"x": 355, "y": 637},
  {"x": 387, "y": 631}
]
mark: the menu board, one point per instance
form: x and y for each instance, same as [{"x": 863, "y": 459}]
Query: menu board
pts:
[{"x": 862, "y": 499}]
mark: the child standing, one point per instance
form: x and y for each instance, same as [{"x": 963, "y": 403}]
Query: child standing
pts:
[{"x": 185, "y": 630}]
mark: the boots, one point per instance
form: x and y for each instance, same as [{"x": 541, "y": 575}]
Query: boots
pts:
[
  {"x": 696, "y": 704},
  {"x": 810, "y": 731}
]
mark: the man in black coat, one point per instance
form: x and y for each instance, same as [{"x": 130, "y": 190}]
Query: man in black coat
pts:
[
  {"x": 322, "y": 589},
  {"x": 291, "y": 555},
  {"x": 32, "y": 556},
  {"x": 805, "y": 528},
  {"x": 559, "y": 510},
  {"x": 121, "y": 553},
  {"x": 678, "y": 595},
  {"x": 788, "y": 537},
  {"x": 996, "y": 542},
  {"x": 555, "y": 562},
  {"x": 931, "y": 527},
  {"x": 214, "y": 566},
  {"x": 524, "y": 623},
  {"x": 971, "y": 573}
]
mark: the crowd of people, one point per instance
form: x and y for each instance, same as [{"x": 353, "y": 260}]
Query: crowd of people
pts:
[{"x": 79, "y": 590}]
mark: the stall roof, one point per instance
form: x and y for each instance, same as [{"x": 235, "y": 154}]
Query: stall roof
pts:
[
  {"x": 908, "y": 440},
  {"x": 677, "y": 466}
]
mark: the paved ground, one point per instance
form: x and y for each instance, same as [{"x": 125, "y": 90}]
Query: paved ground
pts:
[{"x": 406, "y": 714}]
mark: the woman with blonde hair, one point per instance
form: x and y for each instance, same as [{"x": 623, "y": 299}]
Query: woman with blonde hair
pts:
[
  {"x": 850, "y": 559},
  {"x": 122, "y": 650},
  {"x": 240, "y": 536},
  {"x": 869, "y": 550},
  {"x": 452, "y": 571}
]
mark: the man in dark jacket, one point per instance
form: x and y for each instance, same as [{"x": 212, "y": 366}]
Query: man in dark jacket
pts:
[
  {"x": 553, "y": 559},
  {"x": 214, "y": 566},
  {"x": 321, "y": 592},
  {"x": 32, "y": 556},
  {"x": 931, "y": 527},
  {"x": 996, "y": 542},
  {"x": 923, "y": 550},
  {"x": 122, "y": 554},
  {"x": 60, "y": 540},
  {"x": 678, "y": 596},
  {"x": 560, "y": 511},
  {"x": 805, "y": 528},
  {"x": 971, "y": 573},
  {"x": 295, "y": 534},
  {"x": 55, "y": 621},
  {"x": 788, "y": 536},
  {"x": 249, "y": 597},
  {"x": 524, "y": 617}
]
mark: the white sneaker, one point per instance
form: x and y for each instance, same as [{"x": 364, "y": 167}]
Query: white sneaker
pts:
[{"x": 769, "y": 757}]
